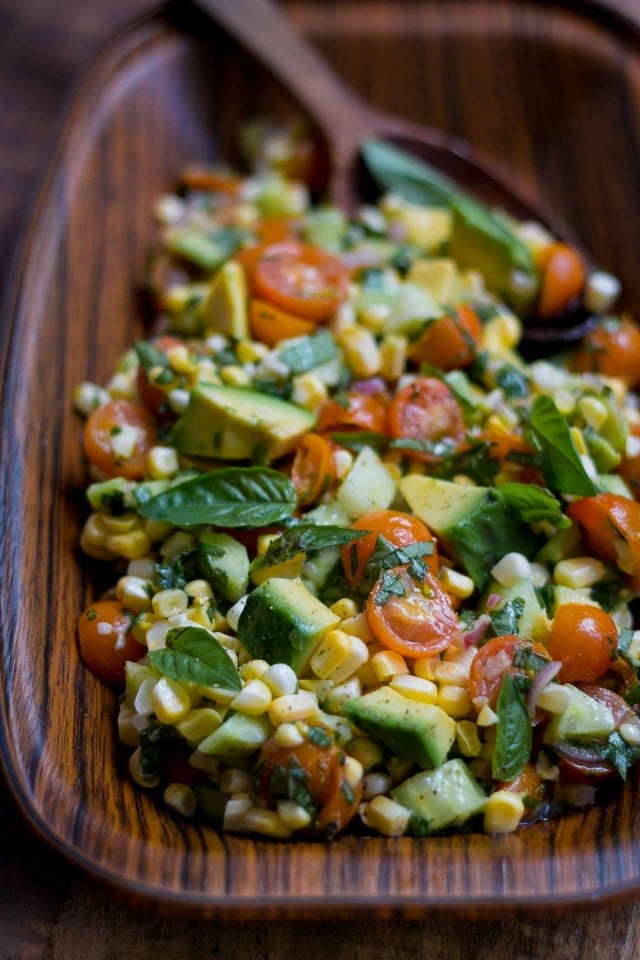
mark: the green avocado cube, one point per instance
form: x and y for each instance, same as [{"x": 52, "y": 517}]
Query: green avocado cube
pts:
[{"x": 441, "y": 798}]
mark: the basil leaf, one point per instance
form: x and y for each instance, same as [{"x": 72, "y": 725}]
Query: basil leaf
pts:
[
  {"x": 309, "y": 352},
  {"x": 391, "y": 585},
  {"x": 385, "y": 557},
  {"x": 533, "y": 503},
  {"x": 193, "y": 654},
  {"x": 306, "y": 538},
  {"x": 513, "y": 736},
  {"x": 149, "y": 356},
  {"x": 513, "y": 381},
  {"x": 231, "y": 497},
  {"x": 401, "y": 173},
  {"x": 506, "y": 619},
  {"x": 155, "y": 743},
  {"x": 621, "y": 754},
  {"x": 561, "y": 464},
  {"x": 176, "y": 573},
  {"x": 357, "y": 439}
]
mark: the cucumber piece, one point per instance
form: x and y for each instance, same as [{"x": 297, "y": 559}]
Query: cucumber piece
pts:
[
  {"x": 224, "y": 562},
  {"x": 562, "y": 545},
  {"x": 115, "y": 496},
  {"x": 325, "y": 227},
  {"x": 368, "y": 486},
  {"x": 446, "y": 797},
  {"x": 238, "y": 736},
  {"x": 584, "y": 719}
]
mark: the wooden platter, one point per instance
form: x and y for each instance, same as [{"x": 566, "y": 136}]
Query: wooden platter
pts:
[{"x": 551, "y": 92}]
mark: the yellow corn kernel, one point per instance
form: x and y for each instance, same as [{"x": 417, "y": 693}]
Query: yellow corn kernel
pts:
[
  {"x": 235, "y": 376},
  {"x": 361, "y": 351},
  {"x": 333, "y": 651},
  {"x": 344, "y": 608},
  {"x": 357, "y": 626},
  {"x": 503, "y": 812},
  {"x": 203, "y": 616},
  {"x": 342, "y": 319},
  {"x": 467, "y": 739},
  {"x": 131, "y": 546},
  {"x": 162, "y": 462},
  {"x": 501, "y": 333},
  {"x": 235, "y": 813},
  {"x": 367, "y": 752},
  {"x": 486, "y": 750},
  {"x": 128, "y": 733},
  {"x": 288, "y": 735},
  {"x": 251, "y": 351},
  {"x": 122, "y": 524},
  {"x": 167, "y": 603},
  {"x": 253, "y": 669},
  {"x": 295, "y": 706},
  {"x": 156, "y": 530},
  {"x": 357, "y": 657},
  {"x": 135, "y": 769},
  {"x": 180, "y": 798},
  {"x": 415, "y": 688},
  {"x": 454, "y": 700},
  {"x": 179, "y": 359},
  {"x": 348, "y": 690},
  {"x": 450, "y": 672},
  {"x": 564, "y": 401},
  {"x": 387, "y": 664},
  {"x": 487, "y": 717},
  {"x": 292, "y": 815},
  {"x": 578, "y": 440},
  {"x": 235, "y": 781},
  {"x": 309, "y": 391},
  {"x": 253, "y": 699},
  {"x": 426, "y": 667},
  {"x": 366, "y": 674},
  {"x": 319, "y": 688},
  {"x": 266, "y": 822},
  {"x": 95, "y": 533},
  {"x": 375, "y": 783},
  {"x": 134, "y": 593},
  {"x": 387, "y": 817},
  {"x": 87, "y": 397},
  {"x": 281, "y": 679},
  {"x": 170, "y": 701},
  {"x": 455, "y": 583},
  {"x": 199, "y": 723},
  {"x": 122, "y": 386},
  {"x": 198, "y": 589},
  {"x": 352, "y": 771},
  {"x": 393, "y": 357},
  {"x": 579, "y": 572}
]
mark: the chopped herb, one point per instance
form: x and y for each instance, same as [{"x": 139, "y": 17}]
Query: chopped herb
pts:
[
  {"x": 319, "y": 736},
  {"x": 357, "y": 439},
  {"x": 306, "y": 538},
  {"x": 391, "y": 585},
  {"x": 290, "y": 782},
  {"x": 513, "y": 381},
  {"x": 149, "y": 356},
  {"x": 155, "y": 742},
  {"x": 505, "y": 619},
  {"x": 621, "y": 754},
  {"x": 347, "y": 793},
  {"x": 527, "y": 659},
  {"x": 91, "y": 614},
  {"x": 176, "y": 573}
]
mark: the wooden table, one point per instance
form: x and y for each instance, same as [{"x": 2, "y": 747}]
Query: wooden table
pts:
[{"x": 49, "y": 910}]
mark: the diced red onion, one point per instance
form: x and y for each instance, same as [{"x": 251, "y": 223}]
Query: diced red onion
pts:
[
  {"x": 542, "y": 680},
  {"x": 397, "y": 231},
  {"x": 370, "y": 386},
  {"x": 493, "y": 600},
  {"x": 477, "y": 631},
  {"x": 357, "y": 259},
  {"x": 497, "y": 666}
]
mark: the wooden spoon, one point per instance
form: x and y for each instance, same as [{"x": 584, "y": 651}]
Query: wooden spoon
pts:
[{"x": 345, "y": 120}]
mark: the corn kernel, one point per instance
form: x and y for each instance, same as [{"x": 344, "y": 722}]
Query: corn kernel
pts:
[
  {"x": 281, "y": 679},
  {"x": 156, "y": 635},
  {"x": 387, "y": 664},
  {"x": 309, "y": 391},
  {"x": 342, "y": 463},
  {"x": 254, "y": 669},
  {"x": 388, "y": 817},
  {"x": 393, "y": 357},
  {"x": 450, "y": 672},
  {"x": 122, "y": 524},
  {"x": 578, "y": 440},
  {"x": 545, "y": 769},
  {"x": 425, "y": 668},
  {"x": 367, "y": 751},
  {"x": 295, "y": 706},
  {"x": 501, "y": 333},
  {"x": 199, "y": 723},
  {"x": 467, "y": 739},
  {"x": 266, "y": 822},
  {"x": 178, "y": 542},
  {"x": 167, "y": 603},
  {"x": 288, "y": 570},
  {"x": 579, "y": 572},
  {"x": 375, "y": 784},
  {"x": 349, "y": 690},
  {"x": 487, "y": 717},
  {"x": 630, "y": 732},
  {"x": 288, "y": 735},
  {"x": 366, "y": 674},
  {"x": 455, "y": 701},
  {"x": 361, "y": 352},
  {"x": 122, "y": 386},
  {"x": 87, "y": 397},
  {"x": 131, "y": 545},
  {"x": 95, "y": 533},
  {"x": 455, "y": 583},
  {"x": 181, "y": 798},
  {"x": 344, "y": 608},
  {"x": 251, "y": 351},
  {"x": 235, "y": 813},
  {"x": 357, "y": 626},
  {"x": 143, "y": 704},
  {"x": 357, "y": 657},
  {"x": 332, "y": 652},
  {"x": 253, "y": 699},
  {"x": 292, "y": 815},
  {"x": 144, "y": 568},
  {"x": 503, "y": 812},
  {"x": 342, "y": 319},
  {"x": 135, "y": 769},
  {"x": 512, "y": 568},
  {"x": 205, "y": 764},
  {"x": 127, "y": 731},
  {"x": 235, "y": 781},
  {"x": 415, "y": 688},
  {"x": 133, "y": 592},
  {"x": 234, "y": 376},
  {"x": 554, "y": 698},
  {"x": 162, "y": 462},
  {"x": 319, "y": 688},
  {"x": 170, "y": 701},
  {"x": 352, "y": 771}
]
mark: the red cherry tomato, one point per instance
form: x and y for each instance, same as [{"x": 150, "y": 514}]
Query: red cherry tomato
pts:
[
  {"x": 583, "y": 639},
  {"x": 612, "y": 349},
  {"x": 106, "y": 640},
  {"x": 493, "y": 660},
  {"x": 400, "y": 529},
  {"x": 313, "y": 470},
  {"x": 105, "y": 424},
  {"x": 606, "y": 518},
  {"x": 362, "y": 412},
  {"x": 426, "y": 410},
  {"x": 415, "y": 620},
  {"x": 303, "y": 280},
  {"x": 449, "y": 342},
  {"x": 562, "y": 278}
]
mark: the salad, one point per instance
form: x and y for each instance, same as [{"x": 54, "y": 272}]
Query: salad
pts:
[{"x": 370, "y": 567}]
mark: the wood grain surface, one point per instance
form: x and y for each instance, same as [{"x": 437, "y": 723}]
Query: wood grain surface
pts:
[{"x": 36, "y": 887}]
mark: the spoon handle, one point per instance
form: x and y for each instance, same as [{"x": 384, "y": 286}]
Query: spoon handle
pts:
[{"x": 261, "y": 27}]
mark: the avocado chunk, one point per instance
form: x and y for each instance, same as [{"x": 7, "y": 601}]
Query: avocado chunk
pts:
[
  {"x": 238, "y": 736},
  {"x": 224, "y": 562},
  {"x": 441, "y": 798},
  {"x": 236, "y": 423},
  {"x": 283, "y": 622},
  {"x": 225, "y": 309},
  {"x": 584, "y": 719},
  {"x": 418, "y": 731},
  {"x": 474, "y": 525}
]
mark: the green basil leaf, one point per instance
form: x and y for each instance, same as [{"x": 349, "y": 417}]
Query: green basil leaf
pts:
[
  {"x": 231, "y": 497},
  {"x": 306, "y": 538},
  {"x": 513, "y": 381},
  {"x": 513, "y": 737},
  {"x": 309, "y": 352},
  {"x": 177, "y": 572},
  {"x": 155, "y": 743},
  {"x": 506, "y": 619},
  {"x": 357, "y": 439},
  {"x": 149, "y": 356},
  {"x": 533, "y": 503},
  {"x": 404, "y": 174},
  {"x": 561, "y": 464},
  {"x": 621, "y": 754},
  {"x": 193, "y": 654}
]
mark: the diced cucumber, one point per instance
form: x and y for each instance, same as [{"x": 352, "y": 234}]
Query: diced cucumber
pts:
[
  {"x": 368, "y": 486},
  {"x": 238, "y": 736},
  {"x": 446, "y": 797},
  {"x": 115, "y": 495},
  {"x": 224, "y": 562},
  {"x": 584, "y": 719}
]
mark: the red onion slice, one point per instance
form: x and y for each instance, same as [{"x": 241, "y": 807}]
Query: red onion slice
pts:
[
  {"x": 371, "y": 386},
  {"x": 359, "y": 259},
  {"x": 476, "y": 632},
  {"x": 493, "y": 600},
  {"x": 542, "y": 680}
]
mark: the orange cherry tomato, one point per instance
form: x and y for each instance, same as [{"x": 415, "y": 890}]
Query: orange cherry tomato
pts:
[
  {"x": 104, "y": 424},
  {"x": 202, "y": 178},
  {"x": 313, "y": 469},
  {"x": 449, "y": 342},
  {"x": 153, "y": 397},
  {"x": 106, "y": 642},
  {"x": 530, "y": 785},
  {"x": 604, "y": 518},
  {"x": 493, "y": 660},
  {"x": 301, "y": 279},
  {"x": 426, "y": 410},
  {"x": 318, "y": 767},
  {"x": 363, "y": 412},
  {"x": 276, "y": 230},
  {"x": 271, "y": 325},
  {"x": 613, "y": 349},
  {"x": 400, "y": 529},
  {"x": 563, "y": 278},
  {"x": 248, "y": 258},
  {"x": 417, "y": 621},
  {"x": 583, "y": 639}
]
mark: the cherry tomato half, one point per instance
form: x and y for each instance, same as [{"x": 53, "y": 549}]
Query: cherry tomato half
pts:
[
  {"x": 106, "y": 642},
  {"x": 426, "y": 410},
  {"x": 449, "y": 342},
  {"x": 101, "y": 430},
  {"x": 415, "y": 620},
  {"x": 400, "y": 529},
  {"x": 152, "y": 396},
  {"x": 303, "y": 280},
  {"x": 605, "y": 518},
  {"x": 313, "y": 470},
  {"x": 612, "y": 349},
  {"x": 562, "y": 278},
  {"x": 529, "y": 785},
  {"x": 318, "y": 767},
  {"x": 271, "y": 325},
  {"x": 493, "y": 660},
  {"x": 583, "y": 639},
  {"x": 362, "y": 412}
]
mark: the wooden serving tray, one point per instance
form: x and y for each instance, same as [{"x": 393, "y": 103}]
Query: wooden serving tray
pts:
[{"x": 549, "y": 90}]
